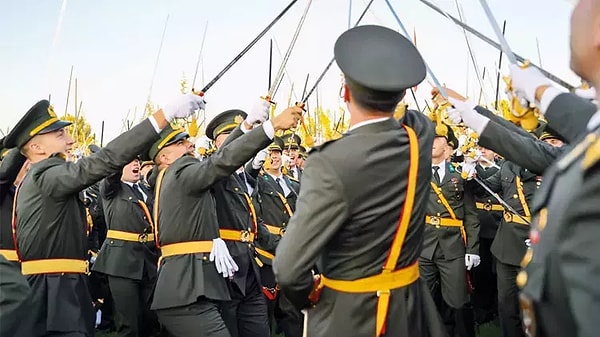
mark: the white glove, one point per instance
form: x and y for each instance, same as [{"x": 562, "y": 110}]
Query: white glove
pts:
[
  {"x": 259, "y": 112},
  {"x": 259, "y": 159},
  {"x": 184, "y": 106},
  {"x": 92, "y": 259},
  {"x": 586, "y": 93},
  {"x": 469, "y": 168},
  {"x": 454, "y": 116},
  {"x": 223, "y": 261},
  {"x": 526, "y": 81},
  {"x": 286, "y": 160},
  {"x": 528, "y": 243},
  {"x": 472, "y": 118},
  {"x": 472, "y": 261},
  {"x": 203, "y": 143}
]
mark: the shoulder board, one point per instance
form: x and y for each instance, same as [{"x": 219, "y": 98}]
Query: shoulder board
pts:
[
  {"x": 592, "y": 155},
  {"x": 322, "y": 146},
  {"x": 293, "y": 179}
]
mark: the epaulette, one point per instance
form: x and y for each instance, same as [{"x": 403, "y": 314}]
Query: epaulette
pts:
[
  {"x": 322, "y": 146},
  {"x": 453, "y": 167},
  {"x": 293, "y": 179}
]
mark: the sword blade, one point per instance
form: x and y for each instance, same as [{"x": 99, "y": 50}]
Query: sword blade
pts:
[{"x": 503, "y": 43}]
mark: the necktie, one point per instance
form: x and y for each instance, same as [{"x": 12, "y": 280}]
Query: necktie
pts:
[
  {"x": 436, "y": 175},
  {"x": 136, "y": 191},
  {"x": 278, "y": 181}
]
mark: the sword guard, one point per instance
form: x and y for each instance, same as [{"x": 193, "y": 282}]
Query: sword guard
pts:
[
  {"x": 199, "y": 93},
  {"x": 268, "y": 99},
  {"x": 301, "y": 105}
]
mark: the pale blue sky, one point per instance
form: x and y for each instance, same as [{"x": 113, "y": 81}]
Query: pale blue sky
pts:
[{"x": 113, "y": 45}]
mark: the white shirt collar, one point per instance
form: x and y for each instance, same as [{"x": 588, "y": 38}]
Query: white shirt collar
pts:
[{"x": 367, "y": 122}]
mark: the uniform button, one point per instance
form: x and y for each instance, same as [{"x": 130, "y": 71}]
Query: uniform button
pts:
[
  {"x": 204, "y": 258},
  {"x": 250, "y": 245},
  {"x": 439, "y": 201},
  {"x": 527, "y": 258},
  {"x": 437, "y": 226},
  {"x": 438, "y": 214},
  {"x": 515, "y": 196},
  {"x": 538, "y": 183},
  {"x": 236, "y": 189},
  {"x": 542, "y": 219},
  {"x": 521, "y": 279},
  {"x": 249, "y": 229}
]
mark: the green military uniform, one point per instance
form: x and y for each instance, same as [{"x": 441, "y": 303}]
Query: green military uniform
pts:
[
  {"x": 276, "y": 207},
  {"x": 347, "y": 225},
  {"x": 489, "y": 212},
  {"x": 246, "y": 314},
  {"x": 451, "y": 231},
  {"x": 189, "y": 288},
  {"x": 291, "y": 142},
  {"x": 560, "y": 280},
  {"x": 15, "y": 301},
  {"x": 518, "y": 180},
  {"x": 129, "y": 256},
  {"x": 51, "y": 226},
  {"x": 10, "y": 166}
]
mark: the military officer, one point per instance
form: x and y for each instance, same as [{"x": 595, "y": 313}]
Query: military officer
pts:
[
  {"x": 246, "y": 314},
  {"x": 365, "y": 237},
  {"x": 12, "y": 170},
  {"x": 518, "y": 179},
  {"x": 276, "y": 199},
  {"x": 189, "y": 290},
  {"x": 489, "y": 211},
  {"x": 129, "y": 256},
  {"x": 49, "y": 218},
  {"x": 559, "y": 281},
  {"x": 451, "y": 237},
  {"x": 291, "y": 148}
]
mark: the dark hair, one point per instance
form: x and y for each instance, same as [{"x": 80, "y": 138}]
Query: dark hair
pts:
[{"x": 374, "y": 100}]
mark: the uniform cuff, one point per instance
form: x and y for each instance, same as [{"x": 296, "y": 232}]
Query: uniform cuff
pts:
[
  {"x": 268, "y": 129},
  {"x": 549, "y": 95},
  {"x": 154, "y": 124},
  {"x": 243, "y": 127}
]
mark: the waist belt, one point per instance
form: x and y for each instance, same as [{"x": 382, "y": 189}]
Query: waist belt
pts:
[
  {"x": 380, "y": 284},
  {"x": 275, "y": 230},
  {"x": 235, "y": 235},
  {"x": 9, "y": 254},
  {"x": 189, "y": 247},
  {"x": 486, "y": 206},
  {"x": 264, "y": 253},
  {"x": 447, "y": 222},
  {"x": 52, "y": 266},
  {"x": 510, "y": 217},
  {"x": 127, "y": 236}
]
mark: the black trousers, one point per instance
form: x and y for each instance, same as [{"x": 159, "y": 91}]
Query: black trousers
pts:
[
  {"x": 199, "y": 319},
  {"x": 246, "y": 314},
  {"x": 289, "y": 319},
  {"x": 509, "y": 310},
  {"x": 485, "y": 296},
  {"x": 132, "y": 299}
]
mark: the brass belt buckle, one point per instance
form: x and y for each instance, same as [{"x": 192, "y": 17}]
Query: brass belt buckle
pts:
[
  {"x": 281, "y": 231},
  {"x": 508, "y": 217},
  {"x": 487, "y": 206},
  {"x": 435, "y": 220},
  {"x": 244, "y": 236},
  {"x": 143, "y": 238}
]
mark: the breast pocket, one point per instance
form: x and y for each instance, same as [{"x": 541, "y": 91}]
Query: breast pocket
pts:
[{"x": 454, "y": 190}]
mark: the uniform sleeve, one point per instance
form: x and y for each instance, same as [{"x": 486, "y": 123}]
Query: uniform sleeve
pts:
[
  {"x": 321, "y": 211},
  {"x": 494, "y": 182},
  {"x": 569, "y": 114},
  {"x": 9, "y": 170},
  {"x": 223, "y": 163},
  {"x": 579, "y": 260},
  {"x": 110, "y": 186},
  {"x": 525, "y": 151},
  {"x": 61, "y": 181},
  {"x": 267, "y": 240},
  {"x": 471, "y": 222}
]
